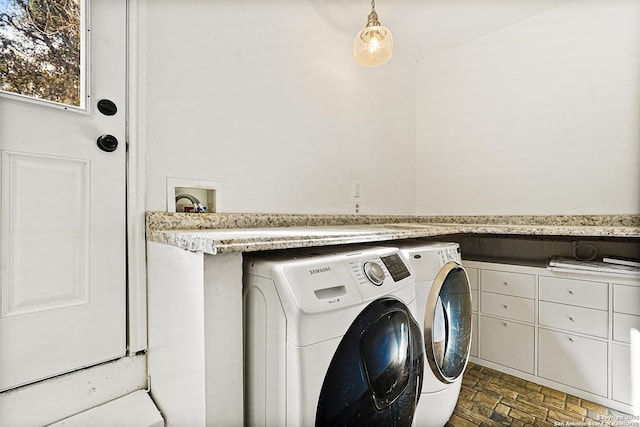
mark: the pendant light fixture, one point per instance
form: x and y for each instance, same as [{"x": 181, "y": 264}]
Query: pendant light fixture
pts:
[{"x": 373, "y": 45}]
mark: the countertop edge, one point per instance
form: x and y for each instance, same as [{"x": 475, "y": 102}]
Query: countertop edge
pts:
[
  {"x": 191, "y": 221},
  {"x": 213, "y": 241}
]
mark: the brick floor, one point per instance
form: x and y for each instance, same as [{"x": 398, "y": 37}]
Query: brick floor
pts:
[{"x": 490, "y": 398}]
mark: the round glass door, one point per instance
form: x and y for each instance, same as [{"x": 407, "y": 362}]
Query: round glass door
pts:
[
  {"x": 375, "y": 376},
  {"x": 447, "y": 323}
]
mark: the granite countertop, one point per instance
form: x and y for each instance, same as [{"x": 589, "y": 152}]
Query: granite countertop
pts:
[{"x": 217, "y": 233}]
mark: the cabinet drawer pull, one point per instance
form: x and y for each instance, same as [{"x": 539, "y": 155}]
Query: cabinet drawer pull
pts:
[
  {"x": 570, "y": 292},
  {"x": 571, "y": 318},
  {"x": 570, "y": 339},
  {"x": 505, "y": 283},
  {"x": 505, "y": 306},
  {"x": 504, "y": 324}
]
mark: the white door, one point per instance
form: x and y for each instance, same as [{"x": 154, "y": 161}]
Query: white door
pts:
[{"x": 63, "y": 215}]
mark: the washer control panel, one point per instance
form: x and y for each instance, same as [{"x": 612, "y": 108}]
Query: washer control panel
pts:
[
  {"x": 322, "y": 279},
  {"x": 374, "y": 272}
]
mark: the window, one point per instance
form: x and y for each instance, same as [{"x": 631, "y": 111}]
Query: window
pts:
[{"x": 42, "y": 48}]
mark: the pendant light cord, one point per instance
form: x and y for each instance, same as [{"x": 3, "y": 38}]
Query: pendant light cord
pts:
[{"x": 372, "y": 19}]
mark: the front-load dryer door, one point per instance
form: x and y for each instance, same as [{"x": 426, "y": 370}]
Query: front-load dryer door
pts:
[
  {"x": 375, "y": 376},
  {"x": 447, "y": 323}
]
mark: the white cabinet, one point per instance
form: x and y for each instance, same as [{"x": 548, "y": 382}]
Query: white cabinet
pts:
[
  {"x": 574, "y": 306},
  {"x": 573, "y": 332},
  {"x": 195, "y": 360},
  {"x": 507, "y": 313},
  {"x": 626, "y": 345}
]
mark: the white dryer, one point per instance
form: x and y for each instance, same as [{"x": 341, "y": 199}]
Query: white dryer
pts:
[
  {"x": 443, "y": 299},
  {"x": 330, "y": 338}
]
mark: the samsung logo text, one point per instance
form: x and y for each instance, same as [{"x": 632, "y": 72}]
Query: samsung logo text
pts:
[{"x": 320, "y": 270}]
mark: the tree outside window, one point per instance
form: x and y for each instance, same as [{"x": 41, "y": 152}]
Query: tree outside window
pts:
[{"x": 40, "y": 49}]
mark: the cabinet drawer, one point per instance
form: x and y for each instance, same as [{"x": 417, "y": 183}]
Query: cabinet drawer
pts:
[
  {"x": 622, "y": 326},
  {"x": 573, "y": 360},
  {"x": 574, "y": 292},
  {"x": 507, "y": 343},
  {"x": 626, "y": 299},
  {"x": 507, "y": 283},
  {"x": 514, "y": 308},
  {"x": 575, "y": 319}
]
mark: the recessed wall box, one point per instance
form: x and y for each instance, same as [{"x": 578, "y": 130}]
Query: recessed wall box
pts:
[{"x": 204, "y": 191}]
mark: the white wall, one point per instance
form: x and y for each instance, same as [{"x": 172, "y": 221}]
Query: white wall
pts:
[
  {"x": 541, "y": 117},
  {"x": 266, "y": 97}
]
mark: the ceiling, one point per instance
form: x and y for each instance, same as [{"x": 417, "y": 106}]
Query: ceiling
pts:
[{"x": 424, "y": 27}]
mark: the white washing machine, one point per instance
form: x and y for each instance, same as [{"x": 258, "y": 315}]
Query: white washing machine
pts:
[
  {"x": 330, "y": 338},
  {"x": 443, "y": 299}
]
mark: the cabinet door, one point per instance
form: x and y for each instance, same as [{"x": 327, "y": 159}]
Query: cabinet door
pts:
[
  {"x": 573, "y": 360},
  {"x": 507, "y": 343},
  {"x": 624, "y": 375}
]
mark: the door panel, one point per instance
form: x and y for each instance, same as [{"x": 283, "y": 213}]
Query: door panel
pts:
[
  {"x": 65, "y": 227},
  {"x": 63, "y": 221}
]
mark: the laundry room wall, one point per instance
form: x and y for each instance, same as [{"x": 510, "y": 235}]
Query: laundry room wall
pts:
[
  {"x": 265, "y": 97},
  {"x": 541, "y": 117}
]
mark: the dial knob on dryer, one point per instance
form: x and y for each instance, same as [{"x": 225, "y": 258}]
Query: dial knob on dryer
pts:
[{"x": 374, "y": 272}]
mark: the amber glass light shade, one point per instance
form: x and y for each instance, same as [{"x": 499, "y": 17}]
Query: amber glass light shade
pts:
[{"x": 373, "y": 46}]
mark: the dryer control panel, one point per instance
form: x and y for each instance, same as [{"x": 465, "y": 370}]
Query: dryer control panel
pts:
[
  {"x": 396, "y": 266},
  {"x": 449, "y": 254}
]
